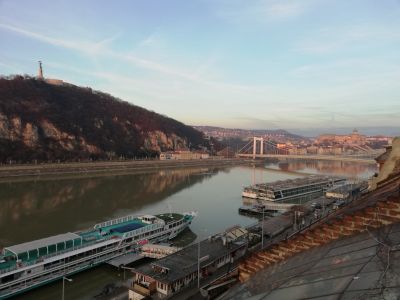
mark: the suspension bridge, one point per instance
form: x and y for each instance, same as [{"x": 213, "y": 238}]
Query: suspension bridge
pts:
[{"x": 260, "y": 147}]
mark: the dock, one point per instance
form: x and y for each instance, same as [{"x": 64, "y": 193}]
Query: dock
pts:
[
  {"x": 269, "y": 207},
  {"x": 125, "y": 259},
  {"x": 148, "y": 250}
]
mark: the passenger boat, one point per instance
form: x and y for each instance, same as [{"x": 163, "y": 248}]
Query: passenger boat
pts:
[
  {"x": 290, "y": 189},
  {"x": 32, "y": 264}
]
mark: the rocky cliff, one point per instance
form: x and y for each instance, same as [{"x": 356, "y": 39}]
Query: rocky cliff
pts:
[{"x": 40, "y": 121}]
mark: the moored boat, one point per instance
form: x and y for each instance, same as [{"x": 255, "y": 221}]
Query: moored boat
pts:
[
  {"x": 287, "y": 190},
  {"x": 32, "y": 264}
]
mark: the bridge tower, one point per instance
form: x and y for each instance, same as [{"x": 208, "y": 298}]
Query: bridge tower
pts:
[{"x": 255, "y": 140}]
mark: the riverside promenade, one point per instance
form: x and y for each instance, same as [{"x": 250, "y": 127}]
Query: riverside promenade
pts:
[{"x": 118, "y": 167}]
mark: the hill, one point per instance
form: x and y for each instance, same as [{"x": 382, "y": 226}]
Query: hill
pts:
[
  {"x": 42, "y": 121},
  {"x": 226, "y": 133}
]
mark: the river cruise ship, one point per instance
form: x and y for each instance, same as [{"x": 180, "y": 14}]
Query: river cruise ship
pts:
[
  {"x": 286, "y": 190},
  {"x": 32, "y": 264}
]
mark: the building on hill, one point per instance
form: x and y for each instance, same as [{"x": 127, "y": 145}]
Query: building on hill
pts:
[
  {"x": 355, "y": 138},
  {"x": 52, "y": 81}
]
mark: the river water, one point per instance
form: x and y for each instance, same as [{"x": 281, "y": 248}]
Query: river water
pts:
[{"x": 43, "y": 207}]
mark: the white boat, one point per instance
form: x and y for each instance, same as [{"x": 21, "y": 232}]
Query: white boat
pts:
[
  {"x": 290, "y": 189},
  {"x": 36, "y": 263}
]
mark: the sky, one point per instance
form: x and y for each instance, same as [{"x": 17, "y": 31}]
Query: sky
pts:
[{"x": 261, "y": 64}]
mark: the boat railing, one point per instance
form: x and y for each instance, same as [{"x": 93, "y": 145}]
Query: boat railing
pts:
[
  {"x": 18, "y": 266},
  {"x": 55, "y": 274},
  {"x": 115, "y": 221},
  {"x": 43, "y": 257}
]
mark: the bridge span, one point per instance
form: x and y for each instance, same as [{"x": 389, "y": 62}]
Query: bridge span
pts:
[
  {"x": 260, "y": 147},
  {"x": 313, "y": 157}
]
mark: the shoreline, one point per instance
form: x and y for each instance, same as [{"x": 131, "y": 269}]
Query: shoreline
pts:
[
  {"x": 90, "y": 169},
  {"x": 49, "y": 171}
]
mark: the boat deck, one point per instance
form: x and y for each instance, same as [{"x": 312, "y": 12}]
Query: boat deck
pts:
[
  {"x": 170, "y": 217},
  {"x": 287, "y": 184},
  {"x": 125, "y": 259},
  {"x": 36, "y": 251}
]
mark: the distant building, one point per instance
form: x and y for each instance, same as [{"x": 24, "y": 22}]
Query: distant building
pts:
[
  {"x": 281, "y": 145},
  {"x": 324, "y": 150},
  {"x": 355, "y": 138},
  {"x": 312, "y": 150},
  {"x": 183, "y": 155},
  {"x": 298, "y": 151},
  {"x": 380, "y": 138},
  {"x": 54, "y": 81}
]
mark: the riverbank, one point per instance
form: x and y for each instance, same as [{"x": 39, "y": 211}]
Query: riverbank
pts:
[{"x": 15, "y": 172}]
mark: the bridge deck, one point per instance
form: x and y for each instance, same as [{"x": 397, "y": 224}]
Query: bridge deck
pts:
[{"x": 313, "y": 157}]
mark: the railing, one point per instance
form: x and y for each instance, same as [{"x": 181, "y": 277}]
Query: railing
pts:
[
  {"x": 145, "y": 229},
  {"x": 43, "y": 257},
  {"x": 76, "y": 265},
  {"x": 115, "y": 221}
]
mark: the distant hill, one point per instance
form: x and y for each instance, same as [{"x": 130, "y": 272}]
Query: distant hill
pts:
[
  {"x": 371, "y": 131},
  {"x": 42, "y": 121},
  {"x": 226, "y": 133}
]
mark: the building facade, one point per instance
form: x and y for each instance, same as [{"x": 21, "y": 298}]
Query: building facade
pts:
[{"x": 183, "y": 155}]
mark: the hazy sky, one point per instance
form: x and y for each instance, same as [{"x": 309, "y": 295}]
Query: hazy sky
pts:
[{"x": 233, "y": 63}]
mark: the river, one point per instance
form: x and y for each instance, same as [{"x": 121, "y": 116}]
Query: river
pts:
[{"x": 40, "y": 208}]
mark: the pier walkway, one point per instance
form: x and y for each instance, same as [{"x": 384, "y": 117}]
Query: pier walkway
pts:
[{"x": 125, "y": 259}]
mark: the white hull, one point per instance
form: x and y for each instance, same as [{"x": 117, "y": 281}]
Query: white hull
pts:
[{"x": 74, "y": 261}]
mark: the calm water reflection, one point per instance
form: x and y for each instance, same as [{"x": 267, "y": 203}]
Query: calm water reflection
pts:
[
  {"x": 36, "y": 209},
  {"x": 340, "y": 168}
]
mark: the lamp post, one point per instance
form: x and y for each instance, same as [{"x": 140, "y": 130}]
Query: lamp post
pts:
[
  {"x": 198, "y": 260},
  {"x": 262, "y": 228},
  {"x": 63, "y": 285},
  {"x": 198, "y": 264}
]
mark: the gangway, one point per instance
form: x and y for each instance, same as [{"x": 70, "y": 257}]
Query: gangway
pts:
[
  {"x": 157, "y": 251},
  {"x": 126, "y": 259}
]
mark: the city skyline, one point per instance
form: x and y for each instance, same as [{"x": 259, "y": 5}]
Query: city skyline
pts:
[{"x": 236, "y": 64}]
